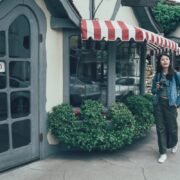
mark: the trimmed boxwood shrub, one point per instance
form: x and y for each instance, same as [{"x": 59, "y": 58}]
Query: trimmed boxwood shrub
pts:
[
  {"x": 90, "y": 133},
  {"x": 123, "y": 124},
  {"x": 142, "y": 109},
  {"x": 93, "y": 129},
  {"x": 149, "y": 97},
  {"x": 61, "y": 122}
]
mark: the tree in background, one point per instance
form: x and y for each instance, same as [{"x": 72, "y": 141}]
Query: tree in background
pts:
[{"x": 167, "y": 15}]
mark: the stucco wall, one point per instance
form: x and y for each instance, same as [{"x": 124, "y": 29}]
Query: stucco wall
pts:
[
  {"x": 54, "y": 54},
  {"x": 105, "y": 11}
]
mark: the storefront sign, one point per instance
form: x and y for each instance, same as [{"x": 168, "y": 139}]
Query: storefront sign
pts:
[
  {"x": 2, "y": 67},
  {"x": 138, "y": 3}
]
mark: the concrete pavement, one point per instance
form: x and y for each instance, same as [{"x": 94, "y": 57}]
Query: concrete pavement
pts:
[{"x": 135, "y": 162}]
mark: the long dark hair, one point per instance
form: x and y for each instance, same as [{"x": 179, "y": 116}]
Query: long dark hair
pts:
[{"x": 159, "y": 69}]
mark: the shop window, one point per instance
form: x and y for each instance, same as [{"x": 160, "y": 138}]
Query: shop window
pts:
[
  {"x": 177, "y": 63},
  {"x": 88, "y": 70},
  {"x": 127, "y": 80}
]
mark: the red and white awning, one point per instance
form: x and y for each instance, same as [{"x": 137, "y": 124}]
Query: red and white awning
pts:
[{"x": 112, "y": 30}]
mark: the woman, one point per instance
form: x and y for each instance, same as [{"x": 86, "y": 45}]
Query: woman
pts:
[{"x": 164, "y": 89}]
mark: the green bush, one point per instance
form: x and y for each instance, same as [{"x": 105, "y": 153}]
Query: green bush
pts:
[
  {"x": 149, "y": 97},
  {"x": 142, "y": 109},
  {"x": 61, "y": 122},
  {"x": 123, "y": 124},
  {"x": 168, "y": 16},
  {"x": 90, "y": 135},
  {"x": 94, "y": 130}
]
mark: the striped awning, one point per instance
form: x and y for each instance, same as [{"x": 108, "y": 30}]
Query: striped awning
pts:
[{"x": 113, "y": 30}]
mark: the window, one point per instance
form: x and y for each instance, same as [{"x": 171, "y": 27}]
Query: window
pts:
[
  {"x": 88, "y": 70},
  {"x": 127, "y": 70}
]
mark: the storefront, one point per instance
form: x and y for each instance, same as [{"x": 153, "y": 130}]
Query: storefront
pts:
[
  {"x": 46, "y": 59},
  {"x": 107, "y": 61}
]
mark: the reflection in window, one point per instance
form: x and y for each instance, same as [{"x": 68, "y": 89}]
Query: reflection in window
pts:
[
  {"x": 127, "y": 70},
  {"x": 19, "y": 73},
  {"x": 88, "y": 71},
  {"x": 3, "y": 106},
  {"x": 3, "y": 83},
  {"x": 2, "y": 44},
  {"x": 4, "y": 138},
  {"x": 19, "y": 38},
  {"x": 21, "y": 134},
  {"x": 20, "y": 104}
]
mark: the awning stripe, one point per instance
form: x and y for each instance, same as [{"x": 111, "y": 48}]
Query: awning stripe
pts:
[
  {"x": 125, "y": 32},
  {"x": 97, "y": 30},
  {"x": 84, "y": 29},
  {"x": 104, "y": 30},
  {"x": 139, "y": 36},
  {"x": 111, "y": 30},
  {"x": 118, "y": 31}
]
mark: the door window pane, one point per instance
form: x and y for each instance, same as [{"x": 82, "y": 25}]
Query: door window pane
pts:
[
  {"x": 20, "y": 104},
  {"x": 127, "y": 80},
  {"x": 88, "y": 71},
  {"x": 2, "y": 44},
  {"x": 21, "y": 135},
  {"x": 4, "y": 138},
  {"x": 19, "y": 38},
  {"x": 3, "y": 83},
  {"x": 19, "y": 73},
  {"x": 3, "y": 106}
]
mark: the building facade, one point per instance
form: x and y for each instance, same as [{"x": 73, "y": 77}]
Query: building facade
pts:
[{"x": 44, "y": 62}]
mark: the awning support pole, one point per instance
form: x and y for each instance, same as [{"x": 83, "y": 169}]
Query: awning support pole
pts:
[
  {"x": 111, "y": 73},
  {"x": 143, "y": 68}
]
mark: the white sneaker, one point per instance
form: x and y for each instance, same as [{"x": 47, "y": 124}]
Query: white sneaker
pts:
[
  {"x": 162, "y": 158},
  {"x": 174, "y": 149}
]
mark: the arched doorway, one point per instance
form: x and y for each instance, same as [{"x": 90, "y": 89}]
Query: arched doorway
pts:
[{"x": 19, "y": 123}]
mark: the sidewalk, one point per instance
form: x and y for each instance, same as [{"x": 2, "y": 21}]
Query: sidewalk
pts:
[{"x": 135, "y": 162}]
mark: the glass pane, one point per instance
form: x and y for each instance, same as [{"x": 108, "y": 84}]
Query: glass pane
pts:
[
  {"x": 4, "y": 138},
  {"x": 3, "y": 106},
  {"x": 19, "y": 38},
  {"x": 20, "y": 104},
  {"x": 2, "y": 44},
  {"x": 21, "y": 135},
  {"x": 19, "y": 73},
  {"x": 127, "y": 70},
  {"x": 2, "y": 75},
  {"x": 88, "y": 71}
]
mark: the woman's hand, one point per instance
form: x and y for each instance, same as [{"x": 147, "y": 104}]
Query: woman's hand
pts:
[{"x": 158, "y": 85}]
